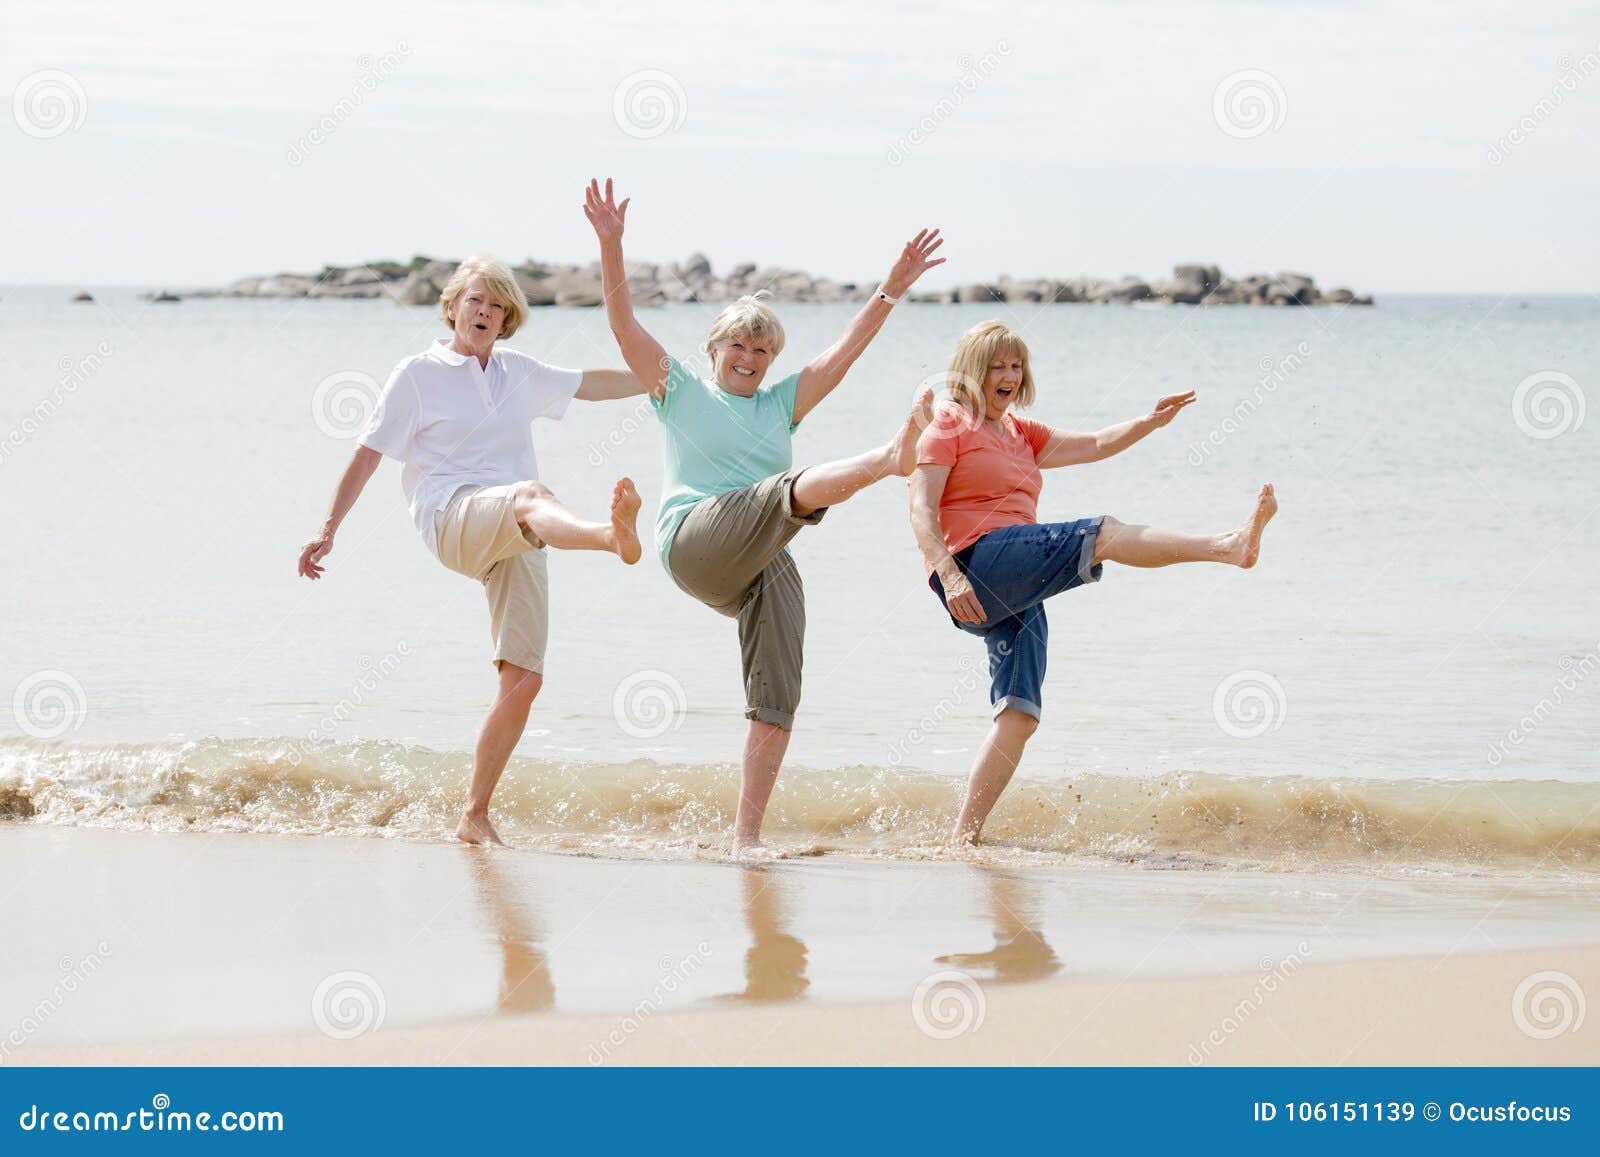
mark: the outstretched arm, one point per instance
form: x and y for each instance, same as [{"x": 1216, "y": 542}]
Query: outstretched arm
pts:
[
  {"x": 643, "y": 353},
  {"x": 1068, "y": 449},
  {"x": 927, "y": 487},
  {"x": 356, "y": 475},
  {"x": 608, "y": 386},
  {"x": 827, "y": 370}
]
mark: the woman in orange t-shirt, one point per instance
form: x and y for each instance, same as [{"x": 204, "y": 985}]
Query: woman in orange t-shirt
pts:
[{"x": 974, "y": 509}]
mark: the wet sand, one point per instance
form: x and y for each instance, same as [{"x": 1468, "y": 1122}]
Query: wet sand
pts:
[{"x": 155, "y": 948}]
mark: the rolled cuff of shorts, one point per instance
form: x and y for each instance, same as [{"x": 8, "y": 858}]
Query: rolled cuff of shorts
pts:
[
  {"x": 1086, "y": 572},
  {"x": 528, "y": 662},
  {"x": 811, "y": 519},
  {"x": 771, "y": 715},
  {"x": 1015, "y": 703}
]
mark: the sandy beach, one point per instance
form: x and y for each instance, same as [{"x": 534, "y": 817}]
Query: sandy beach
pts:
[
  {"x": 249, "y": 949},
  {"x": 1404, "y": 1011}
]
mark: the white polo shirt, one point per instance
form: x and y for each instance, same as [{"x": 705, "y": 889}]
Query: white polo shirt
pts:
[{"x": 454, "y": 423}]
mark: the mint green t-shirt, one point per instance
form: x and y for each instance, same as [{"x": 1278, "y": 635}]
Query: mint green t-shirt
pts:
[{"x": 714, "y": 441}]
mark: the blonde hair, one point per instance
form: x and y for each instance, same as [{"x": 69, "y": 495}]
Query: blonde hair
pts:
[
  {"x": 969, "y": 367},
  {"x": 750, "y": 318},
  {"x": 502, "y": 283}
]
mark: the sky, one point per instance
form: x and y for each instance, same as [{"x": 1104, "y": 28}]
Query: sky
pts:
[{"x": 1389, "y": 147}]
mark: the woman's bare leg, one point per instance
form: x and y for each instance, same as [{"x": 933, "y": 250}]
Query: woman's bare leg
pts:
[
  {"x": 764, "y": 748},
  {"x": 1150, "y": 546},
  {"x": 539, "y": 511},
  {"x": 832, "y": 482},
  {"x": 992, "y": 770},
  {"x": 502, "y": 728}
]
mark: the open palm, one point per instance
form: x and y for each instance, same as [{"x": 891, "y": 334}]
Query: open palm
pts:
[
  {"x": 915, "y": 260},
  {"x": 1167, "y": 408},
  {"x": 607, "y": 217}
]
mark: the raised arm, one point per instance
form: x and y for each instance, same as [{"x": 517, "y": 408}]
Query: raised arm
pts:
[
  {"x": 362, "y": 464},
  {"x": 643, "y": 353},
  {"x": 608, "y": 386},
  {"x": 1066, "y": 448},
  {"x": 927, "y": 487},
  {"x": 827, "y": 370}
]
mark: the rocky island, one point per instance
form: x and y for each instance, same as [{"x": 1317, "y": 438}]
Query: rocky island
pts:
[{"x": 419, "y": 281}]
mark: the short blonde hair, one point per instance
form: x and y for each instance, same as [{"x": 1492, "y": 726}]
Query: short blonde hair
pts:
[
  {"x": 502, "y": 283},
  {"x": 969, "y": 367},
  {"x": 750, "y": 318}
]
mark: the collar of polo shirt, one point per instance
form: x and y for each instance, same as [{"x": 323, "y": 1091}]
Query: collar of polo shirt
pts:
[{"x": 442, "y": 351}]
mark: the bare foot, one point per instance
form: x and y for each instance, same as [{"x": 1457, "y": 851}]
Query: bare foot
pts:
[
  {"x": 1245, "y": 547},
  {"x": 476, "y": 829},
  {"x": 625, "y": 504},
  {"x": 902, "y": 452},
  {"x": 757, "y": 853}
]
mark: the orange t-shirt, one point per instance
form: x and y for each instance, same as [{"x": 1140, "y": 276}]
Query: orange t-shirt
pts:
[{"x": 994, "y": 478}]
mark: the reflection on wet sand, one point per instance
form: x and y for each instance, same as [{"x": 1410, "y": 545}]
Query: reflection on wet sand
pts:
[
  {"x": 1020, "y": 950},
  {"x": 775, "y": 963},
  {"x": 525, "y": 982}
]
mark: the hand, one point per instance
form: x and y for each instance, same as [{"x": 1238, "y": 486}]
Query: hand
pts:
[
  {"x": 312, "y": 553},
  {"x": 961, "y": 599},
  {"x": 913, "y": 262},
  {"x": 1167, "y": 408},
  {"x": 604, "y": 213}
]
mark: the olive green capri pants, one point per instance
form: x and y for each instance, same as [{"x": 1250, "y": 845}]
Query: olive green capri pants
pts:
[{"x": 730, "y": 552}]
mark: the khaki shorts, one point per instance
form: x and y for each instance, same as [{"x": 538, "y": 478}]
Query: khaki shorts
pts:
[
  {"x": 479, "y": 536},
  {"x": 730, "y": 552}
]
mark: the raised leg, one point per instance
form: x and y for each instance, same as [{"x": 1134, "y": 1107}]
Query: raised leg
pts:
[
  {"x": 539, "y": 511},
  {"x": 992, "y": 770},
  {"x": 831, "y": 483},
  {"x": 502, "y": 728},
  {"x": 1151, "y": 546}
]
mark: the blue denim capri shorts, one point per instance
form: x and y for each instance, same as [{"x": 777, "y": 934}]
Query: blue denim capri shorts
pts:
[{"x": 1013, "y": 570}]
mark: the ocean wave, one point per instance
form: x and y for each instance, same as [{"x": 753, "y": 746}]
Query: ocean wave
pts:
[{"x": 648, "y": 809}]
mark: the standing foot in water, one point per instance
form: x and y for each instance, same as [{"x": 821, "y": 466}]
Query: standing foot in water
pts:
[
  {"x": 476, "y": 829},
  {"x": 1243, "y": 546},
  {"x": 625, "y": 503},
  {"x": 756, "y": 853},
  {"x": 902, "y": 452}
]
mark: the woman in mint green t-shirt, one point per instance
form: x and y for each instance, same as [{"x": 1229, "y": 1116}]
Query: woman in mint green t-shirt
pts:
[{"x": 731, "y": 497}]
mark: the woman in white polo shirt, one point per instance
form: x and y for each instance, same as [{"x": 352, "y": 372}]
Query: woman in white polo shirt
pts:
[{"x": 458, "y": 416}]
